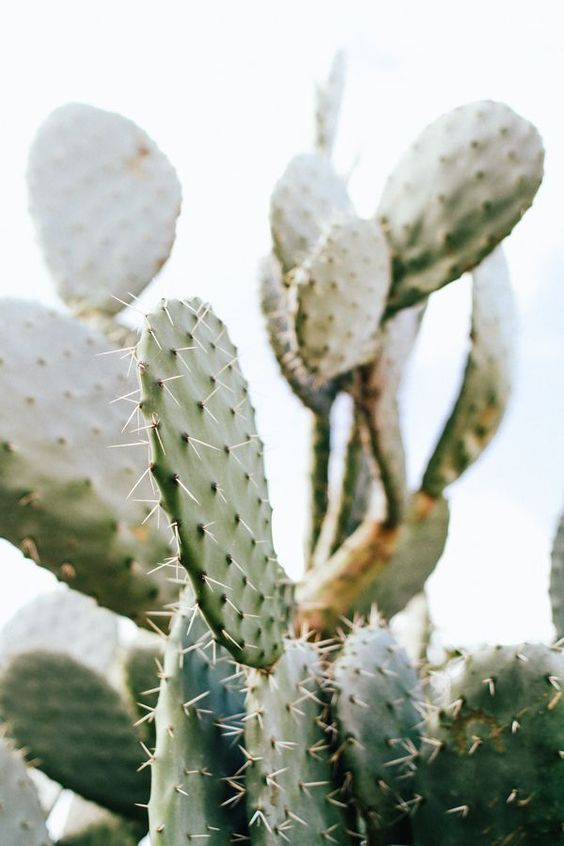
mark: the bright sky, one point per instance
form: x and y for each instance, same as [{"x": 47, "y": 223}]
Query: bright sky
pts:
[{"x": 226, "y": 91}]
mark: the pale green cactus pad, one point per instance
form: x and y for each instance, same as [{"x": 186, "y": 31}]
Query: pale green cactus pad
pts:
[
  {"x": 22, "y": 821},
  {"x": 197, "y": 790},
  {"x": 207, "y": 459},
  {"x": 486, "y": 387},
  {"x": 64, "y": 488},
  {"x": 456, "y": 193},
  {"x": 307, "y": 198},
  {"x": 63, "y": 621},
  {"x": 291, "y": 797},
  {"x": 493, "y": 768},
  {"x": 328, "y": 100},
  {"x": 376, "y": 397},
  {"x": 276, "y": 297},
  {"x": 75, "y": 727},
  {"x": 341, "y": 294},
  {"x": 378, "y": 708},
  {"x": 104, "y": 200}
]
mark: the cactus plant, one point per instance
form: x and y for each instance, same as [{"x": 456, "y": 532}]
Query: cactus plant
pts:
[{"x": 262, "y": 711}]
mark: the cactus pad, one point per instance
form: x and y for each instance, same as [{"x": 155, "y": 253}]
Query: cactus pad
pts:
[
  {"x": 306, "y": 199},
  {"x": 341, "y": 295},
  {"x": 63, "y": 621},
  {"x": 278, "y": 309},
  {"x": 378, "y": 709},
  {"x": 104, "y": 200},
  {"x": 208, "y": 462},
  {"x": 22, "y": 822},
  {"x": 74, "y": 725},
  {"x": 493, "y": 770},
  {"x": 290, "y": 793},
  {"x": 456, "y": 193},
  {"x": 486, "y": 386},
  {"x": 63, "y": 490},
  {"x": 197, "y": 790}
]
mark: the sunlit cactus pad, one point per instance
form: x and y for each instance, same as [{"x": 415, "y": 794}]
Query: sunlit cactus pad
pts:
[
  {"x": 456, "y": 193},
  {"x": 105, "y": 200},
  {"x": 207, "y": 459},
  {"x": 66, "y": 475},
  {"x": 291, "y": 797}
]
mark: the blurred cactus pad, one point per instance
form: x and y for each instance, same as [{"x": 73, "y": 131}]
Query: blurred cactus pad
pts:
[{"x": 237, "y": 704}]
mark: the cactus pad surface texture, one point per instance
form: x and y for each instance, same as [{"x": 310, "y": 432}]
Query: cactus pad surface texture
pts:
[{"x": 208, "y": 462}]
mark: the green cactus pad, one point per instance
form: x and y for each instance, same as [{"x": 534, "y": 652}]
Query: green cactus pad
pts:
[
  {"x": 291, "y": 797},
  {"x": 277, "y": 307},
  {"x": 328, "y": 101},
  {"x": 378, "y": 709},
  {"x": 376, "y": 566},
  {"x": 557, "y": 580},
  {"x": 22, "y": 821},
  {"x": 197, "y": 785},
  {"x": 208, "y": 462},
  {"x": 75, "y": 727},
  {"x": 487, "y": 382},
  {"x": 456, "y": 193},
  {"x": 105, "y": 200},
  {"x": 376, "y": 399},
  {"x": 141, "y": 665},
  {"x": 493, "y": 769},
  {"x": 63, "y": 621},
  {"x": 306, "y": 199},
  {"x": 341, "y": 294},
  {"x": 63, "y": 490}
]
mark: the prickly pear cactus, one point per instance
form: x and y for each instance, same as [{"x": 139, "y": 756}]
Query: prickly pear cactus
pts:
[
  {"x": 198, "y": 766},
  {"x": 291, "y": 795},
  {"x": 259, "y": 710},
  {"x": 71, "y": 493},
  {"x": 342, "y": 297},
  {"x": 493, "y": 767},
  {"x": 308, "y": 196},
  {"x": 104, "y": 200},
  {"x": 207, "y": 459},
  {"x": 378, "y": 704},
  {"x": 456, "y": 193},
  {"x": 74, "y": 724}
]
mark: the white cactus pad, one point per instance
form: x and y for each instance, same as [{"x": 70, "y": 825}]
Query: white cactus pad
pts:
[
  {"x": 341, "y": 297},
  {"x": 488, "y": 377},
  {"x": 63, "y": 489},
  {"x": 104, "y": 200},
  {"x": 456, "y": 193},
  {"x": 63, "y": 621},
  {"x": 306, "y": 199}
]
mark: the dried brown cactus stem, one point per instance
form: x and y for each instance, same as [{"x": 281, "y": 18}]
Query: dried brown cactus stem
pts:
[{"x": 378, "y": 565}]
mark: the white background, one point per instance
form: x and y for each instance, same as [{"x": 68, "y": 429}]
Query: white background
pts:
[{"x": 225, "y": 88}]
